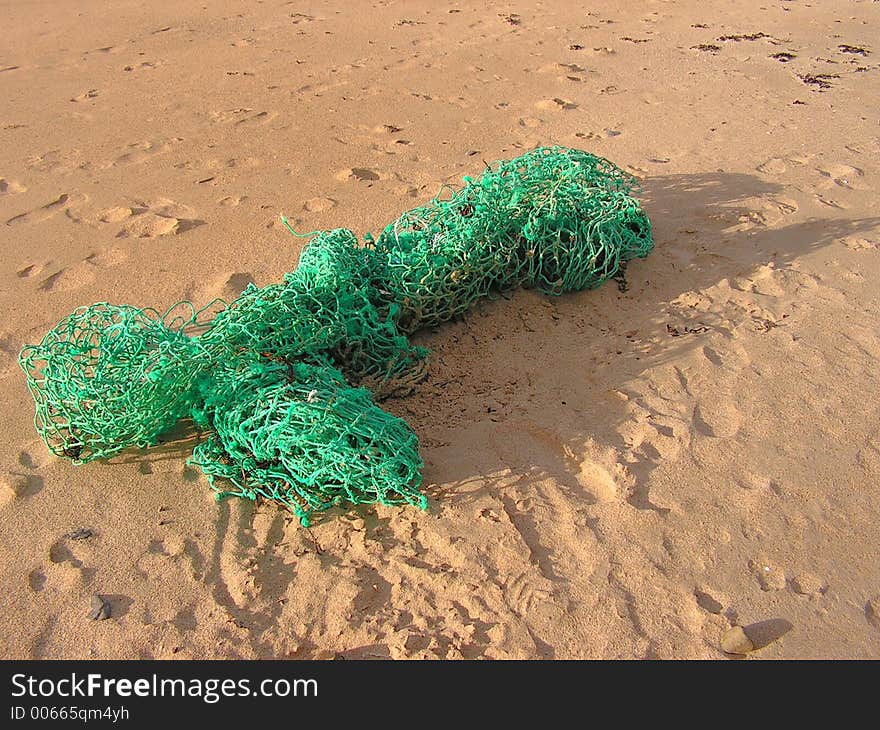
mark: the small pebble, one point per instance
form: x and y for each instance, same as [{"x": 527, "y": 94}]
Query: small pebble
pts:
[
  {"x": 735, "y": 641},
  {"x": 99, "y": 609},
  {"x": 769, "y": 576},
  {"x": 808, "y": 584}
]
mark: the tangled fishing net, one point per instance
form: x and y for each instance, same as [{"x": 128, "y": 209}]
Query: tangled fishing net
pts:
[{"x": 284, "y": 379}]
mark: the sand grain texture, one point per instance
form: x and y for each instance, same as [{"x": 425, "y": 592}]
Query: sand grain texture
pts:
[{"x": 611, "y": 473}]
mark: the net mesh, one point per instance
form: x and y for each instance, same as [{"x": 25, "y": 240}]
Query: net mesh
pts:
[
  {"x": 285, "y": 379},
  {"x": 108, "y": 377}
]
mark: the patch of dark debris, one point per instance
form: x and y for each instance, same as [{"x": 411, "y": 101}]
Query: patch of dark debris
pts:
[
  {"x": 857, "y": 50},
  {"x": 784, "y": 57},
  {"x": 821, "y": 82},
  {"x": 743, "y": 37},
  {"x": 707, "y": 47},
  {"x": 686, "y": 330}
]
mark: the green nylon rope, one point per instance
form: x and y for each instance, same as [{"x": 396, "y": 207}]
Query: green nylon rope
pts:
[{"x": 284, "y": 379}]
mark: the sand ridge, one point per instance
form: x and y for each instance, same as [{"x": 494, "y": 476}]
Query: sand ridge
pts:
[{"x": 619, "y": 473}]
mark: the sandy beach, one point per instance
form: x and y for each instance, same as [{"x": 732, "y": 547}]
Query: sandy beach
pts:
[{"x": 619, "y": 473}]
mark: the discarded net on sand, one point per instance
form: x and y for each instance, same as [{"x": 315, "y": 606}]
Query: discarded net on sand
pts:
[{"x": 284, "y": 378}]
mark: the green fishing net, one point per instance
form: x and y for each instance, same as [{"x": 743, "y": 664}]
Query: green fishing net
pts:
[
  {"x": 108, "y": 377},
  {"x": 298, "y": 433},
  {"x": 554, "y": 219},
  {"x": 284, "y": 380}
]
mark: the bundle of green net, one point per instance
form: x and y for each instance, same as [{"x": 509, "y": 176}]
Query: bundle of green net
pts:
[{"x": 284, "y": 380}]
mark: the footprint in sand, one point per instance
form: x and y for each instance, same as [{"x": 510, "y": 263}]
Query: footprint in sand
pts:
[
  {"x": 77, "y": 275},
  {"x": 570, "y": 71},
  {"x": 115, "y": 215},
  {"x": 139, "y": 152},
  {"x": 162, "y": 217},
  {"x": 258, "y": 118},
  {"x": 227, "y": 286},
  {"x": 759, "y": 483},
  {"x": 598, "y": 481},
  {"x": 830, "y": 202},
  {"x": 65, "y": 570},
  {"x": 407, "y": 190},
  {"x": 59, "y": 161},
  {"x": 602, "y": 474},
  {"x": 229, "y": 115},
  {"x": 604, "y": 134},
  {"x": 390, "y": 147},
  {"x": 231, "y": 201},
  {"x": 779, "y": 165},
  {"x": 150, "y": 225},
  {"x": 243, "y": 163},
  {"x": 525, "y": 591},
  {"x": 387, "y": 129},
  {"x": 358, "y": 173},
  {"x": 71, "y": 277},
  {"x": 862, "y": 243},
  {"x": 298, "y": 18},
  {"x": 773, "y": 166},
  {"x": 63, "y": 202},
  {"x": 530, "y": 122},
  {"x": 29, "y": 270},
  {"x": 319, "y": 205},
  {"x": 658, "y": 439},
  {"x": 111, "y": 257},
  {"x": 845, "y": 176},
  {"x": 766, "y": 211},
  {"x": 143, "y": 66},
  {"x": 9, "y": 187},
  {"x": 784, "y": 206},
  {"x": 599, "y": 51},
  {"x": 85, "y": 96},
  {"x": 557, "y": 104},
  {"x": 719, "y": 418},
  {"x": 773, "y": 282}
]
